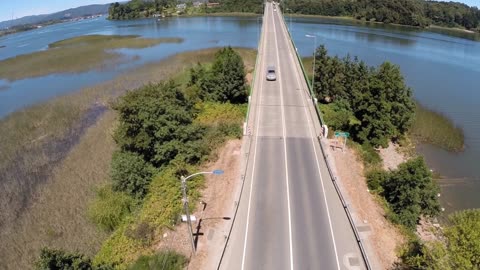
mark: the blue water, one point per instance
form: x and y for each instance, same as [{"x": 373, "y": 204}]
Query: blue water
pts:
[
  {"x": 443, "y": 71},
  {"x": 197, "y": 32}
]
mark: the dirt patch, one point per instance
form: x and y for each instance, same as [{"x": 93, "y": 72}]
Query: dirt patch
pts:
[
  {"x": 383, "y": 237},
  {"x": 391, "y": 156},
  {"x": 213, "y": 212}
]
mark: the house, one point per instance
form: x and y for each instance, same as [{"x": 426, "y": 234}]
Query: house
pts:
[
  {"x": 211, "y": 5},
  {"x": 181, "y": 6},
  {"x": 197, "y": 4}
]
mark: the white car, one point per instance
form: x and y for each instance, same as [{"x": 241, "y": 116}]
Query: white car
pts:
[{"x": 271, "y": 76}]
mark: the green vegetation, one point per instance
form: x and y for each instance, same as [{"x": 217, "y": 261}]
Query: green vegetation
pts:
[
  {"x": 436, "y": 129},
  {"x": 374, "y": 105},
  {"x": 77, "y": 54},
  {"x": 135, "y": 9},
  {"x": 164, "y": 128},
  {"x": 165, "y": 260},
  {"x": 406, "y": 12},
  {"x": 459, "y": 250},
  {"x": 131, "y": 174},
  {"x": 56, "y": 259},
  {"x": 59, "y": 153},
  {"x": 110, "y": 208},
  {"x": 409, "y": 191},
  {"x": 225, "y": 81}
]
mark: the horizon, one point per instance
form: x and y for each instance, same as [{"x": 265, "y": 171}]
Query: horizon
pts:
[{"x": 22, "y": 8}]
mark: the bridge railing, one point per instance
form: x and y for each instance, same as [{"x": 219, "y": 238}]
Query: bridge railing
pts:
[{"x": 325, "y": 156}]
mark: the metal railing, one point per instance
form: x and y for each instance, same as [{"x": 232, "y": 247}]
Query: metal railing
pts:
[{"x": 325, "y": 156}]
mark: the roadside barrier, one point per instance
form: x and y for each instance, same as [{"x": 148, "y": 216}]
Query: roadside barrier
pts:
[{"x": 332, "y": 176}]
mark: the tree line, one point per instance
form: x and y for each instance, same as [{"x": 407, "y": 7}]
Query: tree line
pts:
[
  {"x": 143, "y": 9},
  {"x": 135, "y": 9},
  {"x": 406, "y": 12}
]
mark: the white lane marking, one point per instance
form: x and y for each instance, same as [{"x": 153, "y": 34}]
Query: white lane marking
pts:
[
  {"x": 285, "y": 145},
  {"x": 261, "y": 67},
  {"x": 316, "y": 155}
]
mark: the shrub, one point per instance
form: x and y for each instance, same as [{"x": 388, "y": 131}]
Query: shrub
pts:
[
  {"x": 131, "y": 174},
  {"x": 110, "y": 208},
  {"x": 164, "y": 260},
  {"x": 463, "y": 239},
  {"x": 54, "y": 259},
  {"x": 142, "y": 232},
  {"x": 411, "y": 192},
  {"x": 375, "y": 179},
  {"x": 370, "y": 156}
]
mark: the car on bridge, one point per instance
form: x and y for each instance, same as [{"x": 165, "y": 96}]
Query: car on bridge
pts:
[{"x": 271, "y": 76}]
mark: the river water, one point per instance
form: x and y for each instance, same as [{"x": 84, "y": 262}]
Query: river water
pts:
[{"x": 443, "y": 71}]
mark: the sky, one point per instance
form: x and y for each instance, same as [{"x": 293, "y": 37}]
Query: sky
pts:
[{"x": 20, "y": 8}]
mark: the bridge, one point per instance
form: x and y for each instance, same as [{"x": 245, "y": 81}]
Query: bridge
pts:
[{"x": 290, "y": 215}]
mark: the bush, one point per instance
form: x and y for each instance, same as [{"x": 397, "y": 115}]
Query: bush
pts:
[
  {"x": 463, "y": 239},
  {"x": 53, "y": 259},
  {"x": 131, "y": 174},
  {"x": 164, "y": 260},
  {"x": 370, "y": 156},
  {"x": 110, "y": 208},
  {"x": 376, "y": 179},
  {"x": 411, "y": 192}
]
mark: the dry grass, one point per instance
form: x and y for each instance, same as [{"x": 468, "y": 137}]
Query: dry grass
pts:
[
  {"x": 77, "y": 54},
  {"x": 52, "y": 159}
]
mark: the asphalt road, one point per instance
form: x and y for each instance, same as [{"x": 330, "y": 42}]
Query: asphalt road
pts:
[{"x": 290, "y": 216}]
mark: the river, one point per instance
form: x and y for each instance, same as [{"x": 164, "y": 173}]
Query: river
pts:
[{"x": 443, "y": 71}]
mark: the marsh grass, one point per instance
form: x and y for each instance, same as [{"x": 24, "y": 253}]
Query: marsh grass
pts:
[
  {"x": 45, "y": 186},
  {"x": 73, "y": 55},
  {"x": 435, "y": 128}
]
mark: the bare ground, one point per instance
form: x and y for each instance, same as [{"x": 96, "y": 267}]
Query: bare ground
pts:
[
  {"x": 213, "y": 212},
  {"x": 391, "y": 156},
  {"x": 382, "y": 238}
]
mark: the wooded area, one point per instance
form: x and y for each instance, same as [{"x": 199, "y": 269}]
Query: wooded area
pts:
[{"x": 406, "y": 12}]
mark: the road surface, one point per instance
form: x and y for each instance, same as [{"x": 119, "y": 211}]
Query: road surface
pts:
[{"x": 290, "y": 216}]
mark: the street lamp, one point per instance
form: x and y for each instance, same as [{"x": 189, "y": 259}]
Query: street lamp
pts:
[
  {"x": 290, "y": 21},
  {"x": 314, "y": 48},
  {"x": 185, "y": 201}
]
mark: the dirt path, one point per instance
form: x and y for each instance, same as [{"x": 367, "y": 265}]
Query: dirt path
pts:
[
  {"x": 213, "y": 213},
  {"x": 381, "y": 238}
]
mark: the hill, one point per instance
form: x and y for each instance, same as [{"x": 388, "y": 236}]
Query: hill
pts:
[{"x": 61, "y": 15}]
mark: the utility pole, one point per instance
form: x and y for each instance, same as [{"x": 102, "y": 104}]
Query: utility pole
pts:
[
  {"x": 314, "y": 57},
  {"x": 187, "y": 211},
  {"x": 185, "y": 202}
]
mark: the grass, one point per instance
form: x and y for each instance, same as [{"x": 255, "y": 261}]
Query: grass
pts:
[
  {"x": 46, "y": 186},
  {"x": 435, "y": 128},
  {"x": 77, "y": 54}
]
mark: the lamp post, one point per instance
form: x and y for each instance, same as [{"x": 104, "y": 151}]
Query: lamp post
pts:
[
  {"x": 290, "y": 21},
  {"x": 314, "y": 48},
  {"x": 185, "y": 201}
]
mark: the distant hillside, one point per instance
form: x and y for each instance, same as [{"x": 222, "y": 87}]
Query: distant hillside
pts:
[{"x": 65, "y": 14}]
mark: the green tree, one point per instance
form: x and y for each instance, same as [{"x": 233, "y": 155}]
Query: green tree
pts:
[
  {"x": 156, "y": 123},
  {"x": 463, "y": 239},
  {"x": 225, "y": 82},
  {"x": 386, "y": 111},
  {"x": 130, "y": 173},
  {"x": 411, "y": 192}
]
